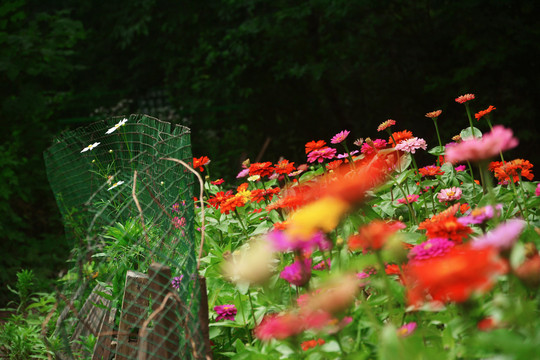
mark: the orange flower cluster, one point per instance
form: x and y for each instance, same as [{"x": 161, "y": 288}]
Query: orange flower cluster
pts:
[
  {"x": 514, "y": 168},
  {"x": 227, "y": 201},
  {"x": 483, "y": 113},
  {"x": 453, "y": 277}
]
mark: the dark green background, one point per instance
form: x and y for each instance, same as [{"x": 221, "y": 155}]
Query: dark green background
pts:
[{"x": 239, "y": 72}]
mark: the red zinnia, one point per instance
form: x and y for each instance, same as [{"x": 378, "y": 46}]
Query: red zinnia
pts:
[
  {"x": 219, "y": 198},
  {"x": 314, "y": 145},
  {"x": 261, "y": 169},
  {"x": 200, "y": 162},
  {"x": 232, "y": 203},
  {"x": 431, "y": 170},
  {"x": 306, "y": 345},
  {"x": 514, "y": 168},
  {"x": 284, "y": 167},
  {"x": 454, "y": 276}
]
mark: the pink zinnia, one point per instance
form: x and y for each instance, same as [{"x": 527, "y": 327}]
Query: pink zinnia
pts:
[
  {"x": 225, "y": 312},
  {"x": 410, "y": 198},
  {"x": 406, "y": 329},
  {"x": 298, "y": 273},
  {"x": 339, "y": 137},
  {"x": 385, "y": 125},
  {"x": 430, "y": 249},
  {"x": 242, "y": 173},
  {"x": 321, "y": 154},
  {"x": 411, "y": 145},
  {"x": 323, "y": 265},
  {"x": 460, "y": 168},
  {"x": 283, "y": 242},
  {"x": 450, "y": 194},
  {"x": 490, "y": 145},
  {"x": 464, "y": 98},
  {"x": 502, "y": 237},
  {"x": 537, "y": 192},
  {"x": 368, "y": 149}
]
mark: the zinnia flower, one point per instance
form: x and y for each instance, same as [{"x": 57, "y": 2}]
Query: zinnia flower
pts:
[
  {"x": 502, "y": 237},
  {"x": 176, "y": 281},
  {"x": 490, "y": 145},
  {"x": 385, "y": 125},
  {"x": 450, "y": 194},
  {"x": 298, "y": 273},
  {"x": 481, "y": 215},
  {"x": 225, "y": 312},
  {"x": 464, "y": 98},
  {"x": 483, "y": 113},
  {"x": 454, "y": 276},
  {"x": 306, "y": 345},
  {"x": 429, "y": 249},
  {"x": 406, "y": 329},
  {"x": 411, "y": 145},
  {"x": 315, "y": 145},
  {"x": 281, "y": 241},
  {"x": 410, "y": 198},
  {"x": 321, "y": 154},
  {"x": 261, "y": 169},
  {"x": 434, "y": 114},
  {"x": 340, "y": 137},
  {"x": 346, "y": 155},
  {"x": 369, "y": 148},
  {"x": 446, "y": 225},
  {"x": 200, "y": 162},
  {"x": 120, "y": 123},
  {"x": 217, "y": 182},
  {"x": 284, "y": 167},
  {"x": 243, "y": 173},
  {"x": 514, "y": 168},
  {"x": 537, "y": 191},
  {"x": 430, "y": 170},
  {"x": 399, "y": 136}
]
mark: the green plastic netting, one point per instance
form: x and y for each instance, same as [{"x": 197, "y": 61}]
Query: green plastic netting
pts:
[{"x": 132, "y": 291}]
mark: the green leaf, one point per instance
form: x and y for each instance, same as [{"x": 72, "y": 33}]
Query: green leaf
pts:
[
  {"x": 437, "y": 150},
  {"x": 403, "y": 176},
  {"x": 466, "y": 133}
]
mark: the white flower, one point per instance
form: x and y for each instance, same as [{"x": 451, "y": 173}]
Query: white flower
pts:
[
  {"x": 115, "y": 185},
  {"x": 90, "y": 147},
  {"x": 254, "y": 177},
  {"x": 120, "y": 123}
]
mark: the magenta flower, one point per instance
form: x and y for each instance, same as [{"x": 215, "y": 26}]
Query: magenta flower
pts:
[
  {"x": 321, "y": 154},
  {"x": 460, "y": 168},
  {"x": 502, "y": 237},
  {"x": 340, "y": 137},
  {"x": 406, "y": 329},
  {"x": 298, "y": 273},
  {"x": 368, "y": 149},
  {"x": 429, "y": 249},
  {"x": 450, "y": 194},
  {"x": 346, "y": 155},
  {"x": 176, "y": 281},
  {"x": 538, "y": 190},
  {"x": 464, "y": 98},
  {"x": 480, "y": 215},
  {"x": 410, "y": 198},
  {"x": 179, "y": 222},
  {"x": 225, "y": 312},
  {"x": 176, "y": 207},
  {"x": 411, "y": 145},
  {"x": 490, "y": 145},
  {"x": 283, "y": 242}
]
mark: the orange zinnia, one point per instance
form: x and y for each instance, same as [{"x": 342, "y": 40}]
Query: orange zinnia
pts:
[
  {"x": 454, "y": 276},
  {"x": 261, "y": 169},
  {"x": 399, "y": 136},
  {"x": 482, "y": 113},
  {"x": 200, "y": 162},
  {"x": 514, "y": 168},
  {"x": 284, "y": 167},
  {"x": 314, "y": 145}
]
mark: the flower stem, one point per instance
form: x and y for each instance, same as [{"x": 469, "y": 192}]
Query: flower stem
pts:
[
  {"x": 470, "y": 119},
  {"x": 241, "y": 223},
  {"x": 252, "y": 308},
  {"x": 472, "y": 177}
]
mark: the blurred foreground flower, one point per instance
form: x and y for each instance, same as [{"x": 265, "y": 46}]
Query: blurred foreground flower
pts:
[
  {"x": 253, "y": 263},
  {"x": 454, "y": 276},
  {"x": 502, "y": 237}
]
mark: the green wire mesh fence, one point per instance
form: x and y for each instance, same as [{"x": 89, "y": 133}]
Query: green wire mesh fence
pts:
[{"x": 132, "y": 291}]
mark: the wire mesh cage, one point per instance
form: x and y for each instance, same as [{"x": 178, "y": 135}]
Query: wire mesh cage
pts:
[{"x": 132, "y": 290}]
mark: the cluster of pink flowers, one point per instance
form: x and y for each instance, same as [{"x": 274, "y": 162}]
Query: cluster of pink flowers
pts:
[
  {"x": 411, "y": 145},
  {"x": 321, "y": 154}
]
